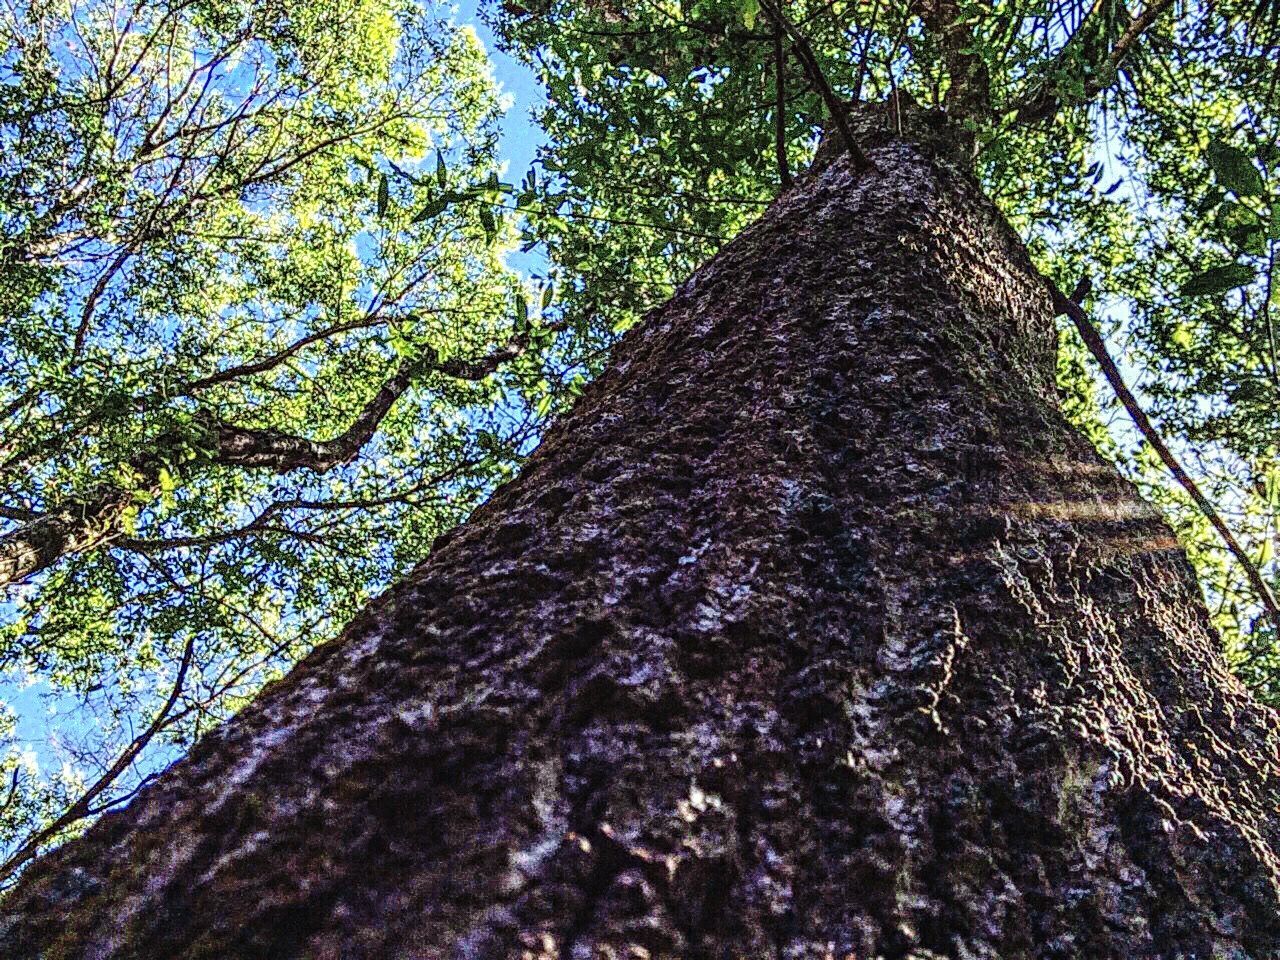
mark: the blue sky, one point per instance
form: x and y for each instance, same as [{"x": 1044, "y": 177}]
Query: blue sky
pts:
[{"x": 521, "y": 136}]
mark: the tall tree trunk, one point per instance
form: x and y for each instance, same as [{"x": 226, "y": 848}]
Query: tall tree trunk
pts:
[{"x": 813, "y": 631}]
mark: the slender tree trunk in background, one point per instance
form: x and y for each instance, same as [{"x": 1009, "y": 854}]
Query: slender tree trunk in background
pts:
[
  {"x": 813, "y": 631},
  {"x": 69, "y": 529}
]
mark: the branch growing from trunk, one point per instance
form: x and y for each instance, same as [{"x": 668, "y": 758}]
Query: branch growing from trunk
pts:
[
  {"x": 969, "y": 89},
  {"x": 279, "y": 452},
  {"x": 818, "y": 79},
  {"x": 1045, "y": 102},
  {"x": 97, "y": 518},
  {"x": 1093, "y": 340}
]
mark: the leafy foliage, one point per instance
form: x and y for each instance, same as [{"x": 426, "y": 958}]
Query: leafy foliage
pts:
[
  {"x": 259, "y": 345},
  {"x": 257, "y": 350}
]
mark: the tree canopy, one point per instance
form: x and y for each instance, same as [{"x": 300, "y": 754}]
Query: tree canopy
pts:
[
  {"x": 258, "y": 347},
  {"x": 260, "y": 342}
]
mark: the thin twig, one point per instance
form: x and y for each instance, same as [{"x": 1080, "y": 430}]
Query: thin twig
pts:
[
  {"x": 864, "y": 58},
  {"x": 816, "y": 77},
  {"x": 13, "y": 790},
  {"x": 82, "y": 807},
  {"x": 1045, "y": 102},
  {"x": 1266, "y": 310},
  {"x": 1093, "y": 340},
  {"x": 780, "y": 108}
]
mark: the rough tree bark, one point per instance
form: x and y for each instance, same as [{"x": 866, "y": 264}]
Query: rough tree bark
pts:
[{"x": 813, "y": 631}]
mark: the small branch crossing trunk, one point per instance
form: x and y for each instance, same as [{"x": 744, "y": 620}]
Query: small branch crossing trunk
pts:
[{"x": 812, "y": 631}]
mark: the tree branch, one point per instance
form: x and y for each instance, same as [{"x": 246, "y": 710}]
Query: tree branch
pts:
[
  {"x": 96, "y": 518},
  {"x": 1093, "y": 340},
  {"x": 83, "y": 806},
  {"x": 260, "y": 524},
  {"x": 265, "y": 449},
  {"x": 13, "y": 790},
  {"x": 780, "y": 108},
  {"x": 275, "y": 359},
  {"x": 1046, "y": 101},
  {"x": 813, "y": 71}
]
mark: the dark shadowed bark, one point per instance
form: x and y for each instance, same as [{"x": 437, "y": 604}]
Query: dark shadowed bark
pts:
[{"x": 813, "y": 631}]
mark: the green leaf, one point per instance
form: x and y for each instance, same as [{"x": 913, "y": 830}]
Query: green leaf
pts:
[
  {"x": 1235, "y": 170},
  {"x": 437, "y": 206},
  {"x": 399, "y": 343},
  {"x": 749, "y": 10},
  {"x": 1210, "y": 200},
  {"x": 442, "y": 172},
  {"x": 490, "y": 226},
  {"x": 1218, "y": 280},
  {"x": 1249, "y": 238},
  {"x": 522, "y": 311},
  {"x": 548, "y": 294},
  {"x": 384, "y": 195}
]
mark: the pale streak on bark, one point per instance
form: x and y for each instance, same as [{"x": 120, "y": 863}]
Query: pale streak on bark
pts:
[{"x": 1098, "y": 347}]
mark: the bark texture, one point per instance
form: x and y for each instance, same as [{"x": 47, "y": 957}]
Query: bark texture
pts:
[{"x": 812, "y": 632}]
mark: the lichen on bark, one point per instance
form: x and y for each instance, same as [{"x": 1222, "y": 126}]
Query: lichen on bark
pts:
[{"x": 812, "y": 631}]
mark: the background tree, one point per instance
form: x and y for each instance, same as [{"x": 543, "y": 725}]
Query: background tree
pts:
[{"x": 258, "y": 348}]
